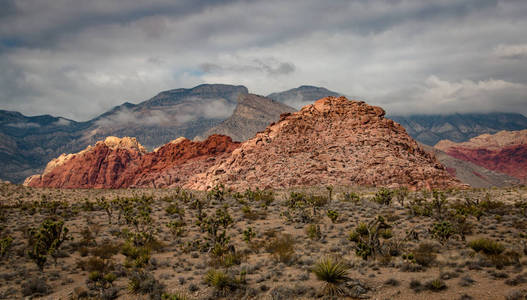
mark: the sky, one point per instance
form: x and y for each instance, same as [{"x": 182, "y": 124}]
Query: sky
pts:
[{"x": 77, "y": 59}]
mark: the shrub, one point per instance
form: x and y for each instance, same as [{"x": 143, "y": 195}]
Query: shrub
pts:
[
  {"x": 36, "y": 287},
  {"x": 222, "y": 282},
  {"x": 436, "y": 285},
  {"x": 442, "y": 231},
  {"x": 282, "y": 248},
  {"x": 487, "y": 246},
  {"x": 424, "y": 254},
  {"x": 248, "y": 234},
  {"x": 5, "y": 244},
  {"x": 141, "y": 282},
  {"x": 333, "y": 272},
  {"x": 383, "y": 196},
  {"x": 333, "y": 215},
  {"x": 313, "y": 231}
]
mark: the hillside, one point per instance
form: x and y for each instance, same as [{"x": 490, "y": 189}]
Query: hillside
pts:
[{"x": 252, "y": 114}]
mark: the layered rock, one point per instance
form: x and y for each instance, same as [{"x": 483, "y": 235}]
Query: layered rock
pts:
[
  {"x": 472, "y": 174},
  {"x": 505, "y": 152},
  {"x": 333, "y": 141},
  {"x": 121, "y": 163},
  {"x": 252, "y": 114}
]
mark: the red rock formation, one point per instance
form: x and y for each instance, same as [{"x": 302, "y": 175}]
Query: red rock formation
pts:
[
  {"x": 120, "y": 163},
  {"x": 505, "y": 152},
  {"x": 334, "y": 141}
]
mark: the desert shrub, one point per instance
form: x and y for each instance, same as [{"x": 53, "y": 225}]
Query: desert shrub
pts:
[
  {"x": 383, "y": 196},
  {"x": 436, "y": 285},
  {"x": 487, "y": 246},
  {"x": 386, "y": 234},
  {"x": 313, "y": 231},
  {"x": 45, "y": 240},
  {"x": 366, "y": 237},
  {"x": 442, "y": 231},
  {"x": 351, "y": 197},
  {"x": 333, "y": 272},
  {"x": 265, "y": 198},
  {"x": 173, "y": 209},
  {"x": 419, "y": 207},
  {"x": 35, "y": 287},
  {"x": 217, "y": 193},
  {"x": 141, "y": 282},
  {"x": 416, "y": 285},
  {"x": 424, "y": 254},
  {"x": 248, "y": 235},
  {"x": 333, "y": 215},
  {"x": 401, "y": 194},
  {"x": 282, "y": 248},
  {"x": 136, "y": 256},
  {"x": 5, "y": 244},
  {"x": 223, "y": 282},
  {"x": 216, "y": 226},
  {"x": 175, "y": 296},
  {"x": 177, "y": 227}
]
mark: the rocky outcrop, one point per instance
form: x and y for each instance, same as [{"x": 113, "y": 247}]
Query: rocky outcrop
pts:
[
  {"x": 333, "y": 141},
  {"x": 252, "y": 114},
  {"x": 504, "y": 152},
  {"x": 471, "y": 174},
  {"x": 123, "y": 162}
]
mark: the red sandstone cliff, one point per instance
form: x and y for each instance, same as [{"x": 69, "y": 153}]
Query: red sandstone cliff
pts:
[
  {"x": 505, "y": 152},
  {"x": 121, "y": 163}
]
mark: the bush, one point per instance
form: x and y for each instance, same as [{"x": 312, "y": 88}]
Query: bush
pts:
[
  {"x": 36, "y": 287},
  {"x": 333, "y": 272},
  {"x": 282, "y": 248},
  {"x": 141, "y": 282},
  {"x": 222, "y": 281},
  {"x": 332, "y": 215},
  {"x": 487, "y": 246},
  {"x": 383, "y": 196},
  {"x": 424, "y": 254},
  {"x": 436, "y": 285},
  {"x": 313, "y": 231},
  {"x": 442, "y": 231}
]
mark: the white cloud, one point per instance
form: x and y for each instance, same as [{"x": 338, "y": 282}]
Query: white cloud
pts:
[{"x": 511, "y": 51}]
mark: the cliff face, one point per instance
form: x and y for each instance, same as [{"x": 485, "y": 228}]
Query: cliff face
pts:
[
  {"x": 333, "y": 141},
  {"x": 505, "y": 152},
  {"x": 252, "y": 114},
  {"x": 121, "y": 163}
]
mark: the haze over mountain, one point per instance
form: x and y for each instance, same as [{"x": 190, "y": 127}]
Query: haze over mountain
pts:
[
  {"x": 30, "y": 142},
  {"x": 252, "y": 114}
]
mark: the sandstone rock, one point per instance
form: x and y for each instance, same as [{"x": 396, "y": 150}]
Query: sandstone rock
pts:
[
  {"x": 505, "y": 152},
  {"x": 333, "y": 141},
  {"x": 121, "y": 163}
]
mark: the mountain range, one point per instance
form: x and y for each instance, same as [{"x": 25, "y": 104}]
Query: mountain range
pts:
[{"x": 30, "y": 142}]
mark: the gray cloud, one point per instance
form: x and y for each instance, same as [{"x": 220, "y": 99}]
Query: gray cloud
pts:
[{"x": 78, "y": 59}]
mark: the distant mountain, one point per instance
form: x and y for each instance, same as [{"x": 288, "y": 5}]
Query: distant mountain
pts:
[
  {"x": 471, "y": 174},
  {"x": 28, "y": 143},
  {"x": 252, "y": 114},
  {"x": 170, "y": 114},
  {"x": 302, "y": 95},
  {"x": 430, "y": 129}
]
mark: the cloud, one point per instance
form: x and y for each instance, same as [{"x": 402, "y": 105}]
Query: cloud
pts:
[
  {"x": 24, "y": 125},
  {"x": 442, "y": 96},
  {"x": 511, "y": 51},
  {"x": 79, "y": 59}
]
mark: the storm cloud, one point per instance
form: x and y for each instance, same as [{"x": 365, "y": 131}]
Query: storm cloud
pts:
[{"x": 77, "y": 59}]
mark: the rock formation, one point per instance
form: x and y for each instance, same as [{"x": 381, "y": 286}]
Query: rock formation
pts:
[
  {"x": 471, "y": 174},
  {"x": 333, "y": 141},
  {"x": 252, "y": 114},
  {"x": 505, "y": 152},
  {"x": 121, "y": 163}
]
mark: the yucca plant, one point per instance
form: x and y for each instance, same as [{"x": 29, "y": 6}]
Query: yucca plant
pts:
[{"x": 333, "y": 272}]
